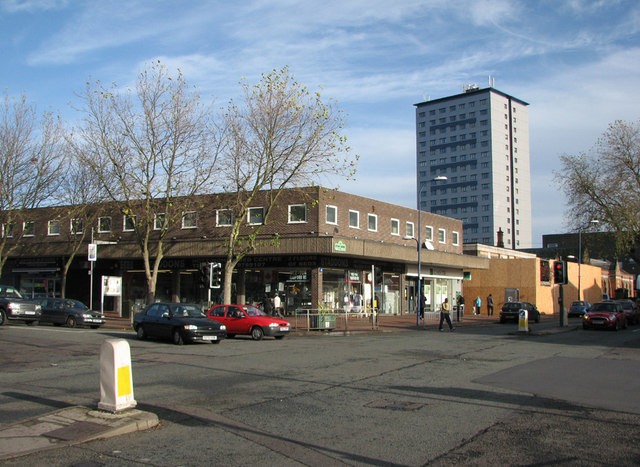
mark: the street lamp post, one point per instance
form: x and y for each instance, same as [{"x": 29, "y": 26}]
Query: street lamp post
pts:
[
  {"x": 593, "y": 221},
  {"x": 419, "y": 302}
]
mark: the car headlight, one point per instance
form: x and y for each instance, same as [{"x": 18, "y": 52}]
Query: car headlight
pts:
[
  {"x": 190, "y": 327},
  {"x": 223, "y": 327},
  {"x": 87, "y": 315},
  {"x": 612, "y": 317},
  {"x": 274, "y": 325},
  {"x": 38, "y": 308}
]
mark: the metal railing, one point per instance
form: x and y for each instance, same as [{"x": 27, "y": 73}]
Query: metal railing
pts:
[{"x": 314, "y": 319}]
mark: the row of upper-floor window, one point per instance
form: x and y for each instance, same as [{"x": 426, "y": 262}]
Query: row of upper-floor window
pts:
[
  {"x": 394, "y": 226},
  {"x": 463, "y": 125},
  {"x": 297, "y": 213},
  {"x": 461, "y": 106}
]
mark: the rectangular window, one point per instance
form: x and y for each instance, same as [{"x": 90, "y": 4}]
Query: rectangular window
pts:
[
  {"x": 372, "y": 222},
  {"x": 104, "y": 225},
  {"x": 409, "y": 229},
  {"x": 297, "y": 213},
  {"x": 395, "y": 227},
  {"x": 354, "y": 219},
  {"x": 158, "y": 221},
  {"x": 129, "y": 223},
  {"x": 255, "y": 216},
  {"x": 456, "y": 238},
  {"x": 442, "y": 236},
  {"x": 189, "y": 220},
  {"x": 7, "y": 230},
  {"x": 77, "y": 226},
  {"x": 428, "y": 233},
  {"x": 53, "y": 228},
  {"x": 332, "y": 215},
  {"x": 224, "y": 218},
  {"x": 28, "y": 229}
]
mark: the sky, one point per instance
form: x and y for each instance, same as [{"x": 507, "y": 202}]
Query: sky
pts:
[{"x": 576, "y": 62}]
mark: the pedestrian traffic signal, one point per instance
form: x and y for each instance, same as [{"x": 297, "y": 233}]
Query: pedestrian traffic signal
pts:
[
  {"x": 560, "y": 272},
  {"x": 216, "y": 276},
  {"x": 378, "y": 276}
]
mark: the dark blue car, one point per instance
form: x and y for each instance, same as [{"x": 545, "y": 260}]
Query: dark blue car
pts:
[{"x": 579, "y": 308}]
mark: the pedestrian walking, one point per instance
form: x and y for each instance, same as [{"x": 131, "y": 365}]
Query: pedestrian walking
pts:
[
  {"x": 267, "y": 307},
  {"x": 276, "y": 305},
  {"x": 478, "y": 306},
  {"x": 489, "y": 305},
  {"x": 445, "y": 308},
  {"x": 423, "y": 305}
]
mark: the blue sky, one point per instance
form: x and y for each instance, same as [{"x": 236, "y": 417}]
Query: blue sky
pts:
[{"x": 577, "y": 63}]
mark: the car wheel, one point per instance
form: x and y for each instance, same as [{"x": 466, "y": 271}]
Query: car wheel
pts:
[
  {"x": 257, "y": 333},
  {"x": 31, "y": 323},
  {"x": 94, "y": 327},
  {"x": 537, "y": 320},
  {"x": 231, "y": 336},
  {"x": 71, "y": 322},
  {"x": 3, "y": 318},
  {"x": 177, "y": 337},
  {"x": 140, "y": 333},
  {"x": 215, "y": 342}
]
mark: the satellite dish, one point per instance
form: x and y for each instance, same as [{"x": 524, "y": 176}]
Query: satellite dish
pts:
[{"x": 428, "y": 245}]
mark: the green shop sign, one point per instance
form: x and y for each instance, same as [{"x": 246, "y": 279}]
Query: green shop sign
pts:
[{"x": 339, "y": 246}]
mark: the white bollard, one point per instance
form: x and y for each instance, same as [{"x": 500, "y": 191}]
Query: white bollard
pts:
[
  {"x": 523, "y": 323},
  {"x": 116, "y": 379}
]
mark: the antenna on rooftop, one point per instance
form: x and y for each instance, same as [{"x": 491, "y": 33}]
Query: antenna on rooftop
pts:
[{"x": 492, "y": 82}]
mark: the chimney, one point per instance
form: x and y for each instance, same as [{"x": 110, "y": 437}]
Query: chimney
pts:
[{"x": 500, "y": 238}]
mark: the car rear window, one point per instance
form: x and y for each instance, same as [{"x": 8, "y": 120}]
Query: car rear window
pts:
[{"x": 610, "y": 307}]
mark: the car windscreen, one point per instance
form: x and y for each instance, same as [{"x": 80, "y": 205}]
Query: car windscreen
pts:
[
  {"x": 187, "y": 311},
  {"x": 512, "y": 306},
  {"x": 603, "y": 307}
]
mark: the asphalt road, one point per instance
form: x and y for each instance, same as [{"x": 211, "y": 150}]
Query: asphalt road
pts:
[{"x": 478, "y": 396}]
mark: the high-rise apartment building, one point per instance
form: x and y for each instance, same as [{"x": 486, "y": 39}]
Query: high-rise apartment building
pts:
[{"x": 479, "y": 141}]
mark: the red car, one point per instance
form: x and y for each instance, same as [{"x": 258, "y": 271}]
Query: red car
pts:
[
  {"x": 247, "y": 319},
  {"x": 605, "y": 315}
]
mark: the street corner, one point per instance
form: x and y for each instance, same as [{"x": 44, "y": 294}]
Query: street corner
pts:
[{"x": 70, "y": 426}]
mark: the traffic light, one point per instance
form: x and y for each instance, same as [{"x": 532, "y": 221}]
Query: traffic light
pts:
[
  {"x": 216, "y": 276},
  {"x": 378, "y": 276},
  {"x": 560, "y": 272},
  {"x": 204, "y": 275}
]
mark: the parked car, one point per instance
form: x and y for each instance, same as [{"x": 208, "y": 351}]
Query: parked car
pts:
[
  {"x": 631, "y": 312},
  {"x": 59, "y": 311},
  {"x": 14, "y": 307},
  {"x": 180, "y": 322},
  {"x": 247, "y": 319},
  {"x": 605, "y": 315},
  {"x": 578, "y": 308},
  {"x": 511, "y": 310}
]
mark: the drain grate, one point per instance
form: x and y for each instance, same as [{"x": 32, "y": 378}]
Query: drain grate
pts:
[
  {"x": 76, "y": 430},
  {"x": 394, "y": 405}
]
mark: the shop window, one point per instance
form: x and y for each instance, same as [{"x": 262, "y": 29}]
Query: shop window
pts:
[
  {"x": 224, "y": 218},
  {"x": 77, "y": 226},
  {"x": 297, "y": 213},
  {"x": 158, "y": 221},
  {"x": 28, "y": 229},
  {"x": 104, "y": 225},
  {"x": 354, "y": 219},
  {"x": 332, "y": 215},
  {"x": 255, "y": 216},
  {"x": 53, "y": 228},
  {"x": 189, "y": 220},
  {"x": 372, "y": 222},
  {"x": 129, "y": 223}
]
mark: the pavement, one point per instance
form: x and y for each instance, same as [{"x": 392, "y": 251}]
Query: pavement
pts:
[{"x": 77, "y": 424}]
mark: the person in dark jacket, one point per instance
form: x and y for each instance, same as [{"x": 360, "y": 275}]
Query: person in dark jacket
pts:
[{"x": 267, "y": 307}]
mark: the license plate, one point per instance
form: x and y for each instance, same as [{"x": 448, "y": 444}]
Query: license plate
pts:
[
  {"x": 284, "y": 328},
  {"x": 209, "y": 338},
  {"x": 29, "y": 312}
]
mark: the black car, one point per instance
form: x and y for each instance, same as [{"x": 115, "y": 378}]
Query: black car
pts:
[
  {"x": 180, "y": 322},
  {"x": 13, "y": 307},
  {"x": 59, "y": 311},
  {"x": 511, "y": 310}
]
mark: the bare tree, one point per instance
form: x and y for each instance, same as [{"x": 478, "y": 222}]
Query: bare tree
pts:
[
  {"x": 31, "y": 150},
  {"x": 151, "y": 149},
  {"x": 604, "y": 184},
  {"x": 280, "y": 136}
]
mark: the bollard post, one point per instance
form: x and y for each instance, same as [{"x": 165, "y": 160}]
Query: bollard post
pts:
[
  {"x": 116, "y": 379},
  {"x": 523, "y": 322}
]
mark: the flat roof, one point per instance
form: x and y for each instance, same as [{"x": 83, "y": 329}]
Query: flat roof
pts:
[{"x": 468, "y": 93}]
